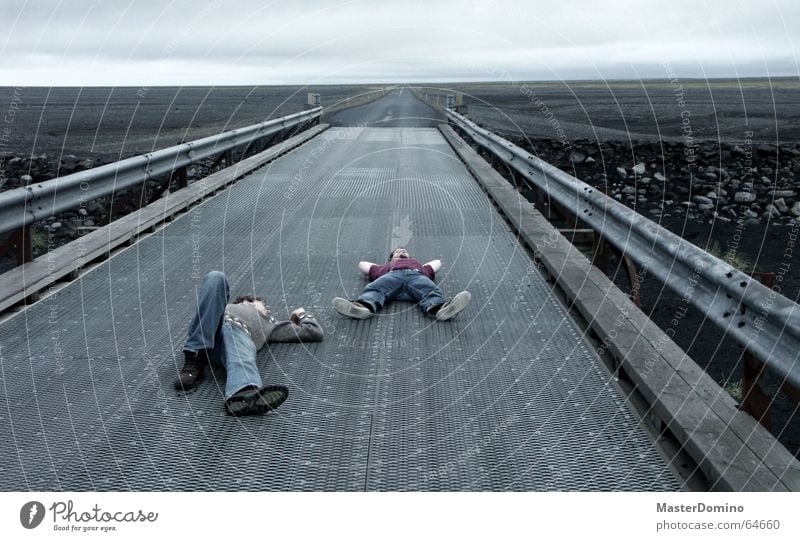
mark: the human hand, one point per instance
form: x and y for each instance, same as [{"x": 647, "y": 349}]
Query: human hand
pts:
[{"x": 297, "y": 315}]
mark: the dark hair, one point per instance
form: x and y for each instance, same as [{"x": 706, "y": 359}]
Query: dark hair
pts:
[{"x": 249, "y": 298}]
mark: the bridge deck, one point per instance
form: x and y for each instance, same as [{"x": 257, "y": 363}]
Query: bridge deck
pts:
[{"x": 508, "y": 396}]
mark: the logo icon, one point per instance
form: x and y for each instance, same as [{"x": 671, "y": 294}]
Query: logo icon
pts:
[
  {"x": 401, "y": 232},
  {"x": 31, "y": 515}
]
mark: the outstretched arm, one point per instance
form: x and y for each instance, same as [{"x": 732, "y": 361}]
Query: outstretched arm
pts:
[
  {"x": 436, "y": 264},
  {"x": 364, "y": 266},
  {"x": 302, "y": 327}
]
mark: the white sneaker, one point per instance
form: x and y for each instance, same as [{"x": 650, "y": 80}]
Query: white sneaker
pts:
[
  {"x": 454, "y": 306},
  {"x": 351, "y": 309}
]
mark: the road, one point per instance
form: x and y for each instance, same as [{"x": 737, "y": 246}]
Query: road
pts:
[{"x": 398, "y": 109}]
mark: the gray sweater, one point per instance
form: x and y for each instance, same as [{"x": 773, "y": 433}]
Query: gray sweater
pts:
[{"x": 265, "y": 329}]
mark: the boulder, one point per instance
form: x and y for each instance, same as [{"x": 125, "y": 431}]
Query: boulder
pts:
[
  {"x": 702, "y": 200},
  {"x": 639, "y": 169},
  {"x": 577, "y": 157},
  {"x": 744, "y": 197}
]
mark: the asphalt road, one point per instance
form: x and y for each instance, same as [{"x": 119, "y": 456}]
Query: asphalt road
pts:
[{"x": 399, "y": 109}]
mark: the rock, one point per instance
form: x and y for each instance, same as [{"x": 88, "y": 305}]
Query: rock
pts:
[
  {"x": 751, "y": 221},
  {"x": 766, "y": 181},
  {"x": 577, "y": 157},
  {"x": 796, "y": 209},
  {"x": 783, "y": 193},
  {"x": 781, "y": 205},
  {"x": 622, "y": 172},
  {"x": 639, "y": 169},
  {"x": 772, "y": 211},
  {"x": 82, "y": 212},
  {"x": 711, "y": 195},
  {"x": 55, "y": 225},
  {"x": 766, "y": 150},
  {"x": 589, "y": 160},
  {"x": 702, "y": 200},
  {"x": 659, "y": 177},
  {"x": 628, "y": 190},
  {"x": 744, "y": 197},
  {"x": 25, "y": 180}
]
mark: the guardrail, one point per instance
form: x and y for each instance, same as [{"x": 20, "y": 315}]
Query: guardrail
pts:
[
  {"x": 757, "y": 317},
  {"x": 21, "y": 207}
]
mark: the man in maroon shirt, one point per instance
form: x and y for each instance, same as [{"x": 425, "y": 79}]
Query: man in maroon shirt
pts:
[{"x": 405, "y": 279}]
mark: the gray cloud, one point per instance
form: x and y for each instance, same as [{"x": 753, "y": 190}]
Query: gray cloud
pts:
[{"x": 253, "y": 42}]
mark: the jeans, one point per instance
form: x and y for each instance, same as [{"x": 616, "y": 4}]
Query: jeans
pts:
[
  {"x": 227, "y": 345},
  {"x": 402, "y": 285}
]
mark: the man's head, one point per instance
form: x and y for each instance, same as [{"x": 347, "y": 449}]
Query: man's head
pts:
[{"x": 399, "y": 253}]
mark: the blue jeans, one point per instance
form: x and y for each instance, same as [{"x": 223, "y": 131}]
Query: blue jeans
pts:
[
  {"x": 402, "y": 285},
  {"x": 227, "y": 345}
]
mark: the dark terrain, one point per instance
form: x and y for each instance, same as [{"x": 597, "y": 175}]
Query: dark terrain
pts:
[{"x": 629, "y": 138}]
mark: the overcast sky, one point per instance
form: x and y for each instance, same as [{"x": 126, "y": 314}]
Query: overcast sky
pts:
[{"x": 185, "y": 42}]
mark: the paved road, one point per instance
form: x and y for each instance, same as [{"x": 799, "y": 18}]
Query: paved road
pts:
[{"x": 399, "y": 109}]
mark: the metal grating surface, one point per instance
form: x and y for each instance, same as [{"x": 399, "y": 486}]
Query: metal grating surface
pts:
[{"x": 505, "y": 397}]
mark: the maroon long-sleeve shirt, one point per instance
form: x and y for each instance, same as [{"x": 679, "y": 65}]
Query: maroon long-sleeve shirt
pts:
[{"x": 376, "y": 271}]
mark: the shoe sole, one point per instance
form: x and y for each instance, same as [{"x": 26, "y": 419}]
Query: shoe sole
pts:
[
  {"x": 261, "y": 401},
  {"x": 458, "y": 303},
  {"x": 347, "y": 309}
]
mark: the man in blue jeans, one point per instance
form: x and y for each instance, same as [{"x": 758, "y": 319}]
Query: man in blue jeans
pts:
[
  {"x": 405, "y": 279},
  {"x": 231, "y": 335}
]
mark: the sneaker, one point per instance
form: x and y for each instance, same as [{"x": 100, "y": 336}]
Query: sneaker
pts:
[
  {"x": 449, "y": 309},
  {"x": 253, "y": 401},
  {"x": 355, "y": 310},
  {"x": 193, "y": 371}
]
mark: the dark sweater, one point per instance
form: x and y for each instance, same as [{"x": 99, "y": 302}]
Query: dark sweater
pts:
[{"x": 265, "y": 328}]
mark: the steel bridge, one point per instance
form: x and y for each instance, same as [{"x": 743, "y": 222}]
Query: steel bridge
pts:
[{"x": 511, "y": 395}]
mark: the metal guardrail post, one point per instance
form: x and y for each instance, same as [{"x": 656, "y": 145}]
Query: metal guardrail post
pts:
[{"x": 757, "y": 317}]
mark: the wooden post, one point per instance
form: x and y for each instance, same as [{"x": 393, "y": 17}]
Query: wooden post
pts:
[
  {"x": 754, "y": 401},
  {"x": 182, "y": 176}
]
